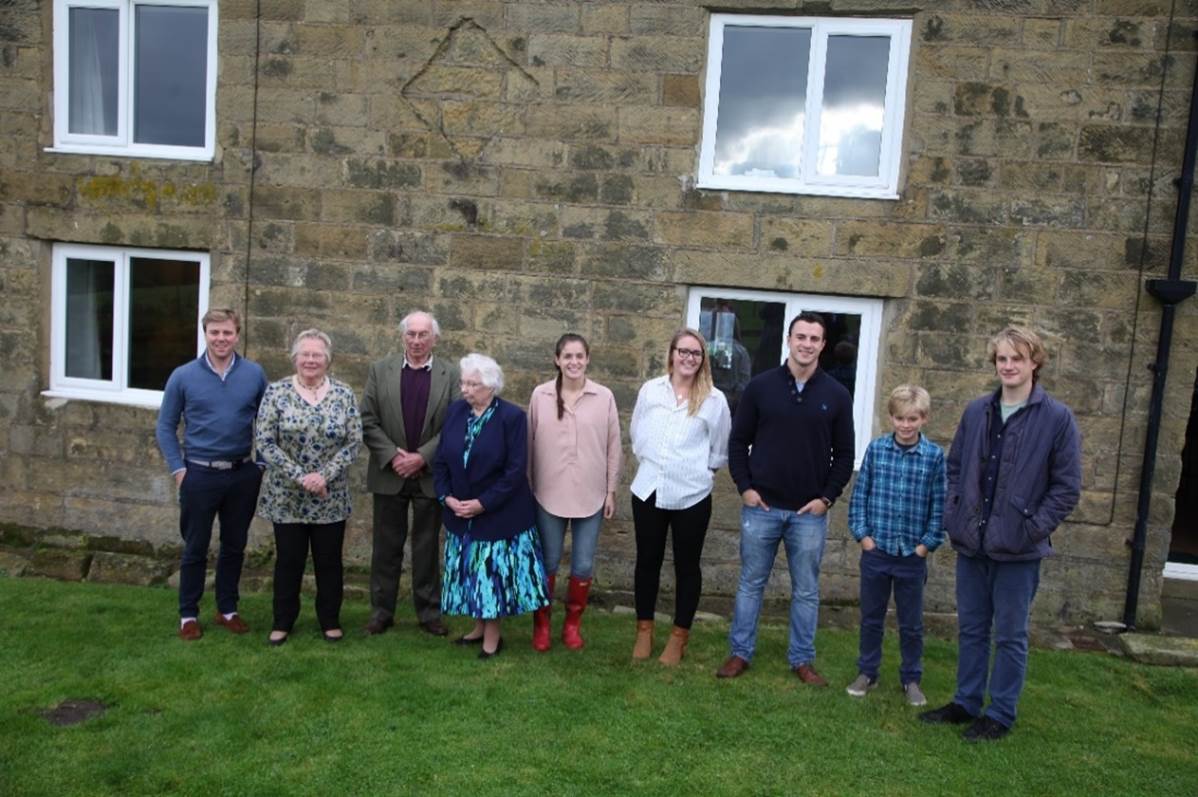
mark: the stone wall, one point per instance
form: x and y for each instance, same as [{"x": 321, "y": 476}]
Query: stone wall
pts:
[{"x": 526, "y": 168}]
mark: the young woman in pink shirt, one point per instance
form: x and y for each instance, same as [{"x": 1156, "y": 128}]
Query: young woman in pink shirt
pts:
[{"x": 574, "y": 467}]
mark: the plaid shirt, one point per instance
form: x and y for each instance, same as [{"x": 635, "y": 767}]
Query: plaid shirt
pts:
[{"x": 899, "y": 496}]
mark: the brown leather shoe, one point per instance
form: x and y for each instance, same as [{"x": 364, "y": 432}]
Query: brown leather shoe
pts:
[
  {"x": 809, "y": 676},
  {"x": 732, "y": 668},
  {"x": 234, "y": 623},
  {"x": 378, "y": 625},
  {"x": 435, "y": 627},
  {"x": 190, "y": 631}
]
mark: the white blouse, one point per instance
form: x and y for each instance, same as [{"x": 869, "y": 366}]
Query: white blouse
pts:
[{"x": 677, "y": 452}]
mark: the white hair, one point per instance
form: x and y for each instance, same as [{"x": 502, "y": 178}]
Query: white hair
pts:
[
  {"x": 489, "y": 372},
  {"x": 313, "y": 334},
  {"x": 403, "y": 325}
]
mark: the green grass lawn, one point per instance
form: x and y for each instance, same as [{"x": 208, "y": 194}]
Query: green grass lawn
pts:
[{"x": 407, "y": 713}]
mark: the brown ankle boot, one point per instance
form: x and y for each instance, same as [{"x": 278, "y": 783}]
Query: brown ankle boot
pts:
[
  {"x": 675, "y": 647},
  {"x": 644, "y": 639}
]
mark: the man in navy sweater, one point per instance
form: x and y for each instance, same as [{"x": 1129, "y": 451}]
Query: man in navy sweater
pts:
[
  {"x": 217, "y": 396},
  {"x": 791, "y": 455}
]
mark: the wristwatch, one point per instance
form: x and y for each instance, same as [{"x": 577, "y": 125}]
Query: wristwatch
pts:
[{"x": 827, "y": 502}]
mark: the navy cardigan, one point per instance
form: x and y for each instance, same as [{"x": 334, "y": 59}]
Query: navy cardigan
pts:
[{"x": 497, "y": 474}]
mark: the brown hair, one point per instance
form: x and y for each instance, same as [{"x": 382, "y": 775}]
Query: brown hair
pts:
[
  {"x": 219, "y": 314},
  {"x": 569, "y": 337},
  {"x": 912, "y": 396},
  {"x": 1022, "y": 340},
  {"x": 702, "y": 387}
]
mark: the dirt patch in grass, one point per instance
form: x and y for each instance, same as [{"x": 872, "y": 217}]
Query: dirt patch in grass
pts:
[{"x": 72, "y": 712}]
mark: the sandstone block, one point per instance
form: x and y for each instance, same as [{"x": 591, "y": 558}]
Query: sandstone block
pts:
[
  {"x": 486, "y": 252},
  {"x": 65, "y": 565},
  {"x": 118, "y": 568},
  {"x": 658, "y": 54},
  {"x": 715, "y": 230},
  {"x": 570, "y": 51},
  {"x": 593, "y": 86}
]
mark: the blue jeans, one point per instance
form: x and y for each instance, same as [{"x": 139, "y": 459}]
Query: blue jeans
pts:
[
  {"x": 582, "y": 546},
  {"x": 204, "y": 495},
  {"x": 906, "y": 575},
  {"x": 999, "y": 595},
  {"x": 804, "y": 537}
]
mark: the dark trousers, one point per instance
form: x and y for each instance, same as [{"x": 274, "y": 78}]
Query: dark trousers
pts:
[
  {"x": 905, "y": 575},
  {"x": 998, "y": 595},
  {"x": 386, "y": 557},
  {"x": 204, "y": 495},
  {"x": 689, "y": 528},
  {"x": 292, "y": 541}
]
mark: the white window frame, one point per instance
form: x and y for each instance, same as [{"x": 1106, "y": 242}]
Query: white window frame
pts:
[
  {"x": 122, "y": 144},
  {"x": 115, "y": 390},
  {"x": 885, "y": 185},
  {"x": 868, "y": 345}
]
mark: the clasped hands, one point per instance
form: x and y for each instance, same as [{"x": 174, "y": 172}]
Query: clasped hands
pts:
[
  {"x": 315, "y": 484},
  {"x": 464, "y": 509},
  {"x": 407, "y": 464}
]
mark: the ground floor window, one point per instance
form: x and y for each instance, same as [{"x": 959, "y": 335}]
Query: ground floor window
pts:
[
  {"x": 123, "y": 319},
  {"x": 746, "y": 331}
]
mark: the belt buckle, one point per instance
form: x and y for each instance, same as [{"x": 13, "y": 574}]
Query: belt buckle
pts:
[{"x": 221, "y": 464}]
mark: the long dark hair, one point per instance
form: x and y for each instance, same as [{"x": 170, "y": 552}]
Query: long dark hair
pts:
[{"x": 569, "y": 337}]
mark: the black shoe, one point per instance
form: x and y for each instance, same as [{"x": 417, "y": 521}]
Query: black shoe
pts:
[
  {"x": 985, "y": 729},
  {"x": 465, "y": 641},
  {"x": 951, "y": 714},
  {"x": 434, "y": 627},
  {"x": 483, "y": 654},
  {"x": 378, "y": 625}
]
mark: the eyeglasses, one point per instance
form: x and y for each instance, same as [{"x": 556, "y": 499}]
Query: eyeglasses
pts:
[{"x": 689, "y": 354}]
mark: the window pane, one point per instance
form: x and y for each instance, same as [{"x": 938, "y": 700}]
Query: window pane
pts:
[
  {"x": 93, "y": 71},
  {"x": 164, "y": 300},
  {"x": 850, "y": 128},
  {"x": 839, "y": 357},
  {"x": 170, "y": 75},
  {"x": 89, "y": 318},
  {"x": 763, "y": 94},
  {"x": 745, "y": 338}
]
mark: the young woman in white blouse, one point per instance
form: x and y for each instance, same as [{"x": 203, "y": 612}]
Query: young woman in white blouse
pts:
[{"x": 679, "y": 435}]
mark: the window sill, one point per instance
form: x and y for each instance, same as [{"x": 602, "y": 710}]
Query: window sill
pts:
[
  {"x": 163, "y": 153},
  {"x": 779, "y": 187},
  {"x": 145, "y": 400}
]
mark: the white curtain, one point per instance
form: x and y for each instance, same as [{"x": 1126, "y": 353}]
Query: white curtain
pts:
[{"x": 93, "y": 45}]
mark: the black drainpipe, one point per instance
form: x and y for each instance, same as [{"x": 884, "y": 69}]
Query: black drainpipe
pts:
[{"x": 1170, "y": 292}]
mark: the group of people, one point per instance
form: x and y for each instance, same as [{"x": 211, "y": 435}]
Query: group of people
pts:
[{"x": 507, "y": 485}]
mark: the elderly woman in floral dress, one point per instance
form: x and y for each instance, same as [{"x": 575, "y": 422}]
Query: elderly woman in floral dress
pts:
[{"x": 308, "y": 432}]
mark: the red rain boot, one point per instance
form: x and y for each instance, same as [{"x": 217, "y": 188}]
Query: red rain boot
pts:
[
  {"x": 576, "y": 604},
  {"x": 540, "y": 622}
]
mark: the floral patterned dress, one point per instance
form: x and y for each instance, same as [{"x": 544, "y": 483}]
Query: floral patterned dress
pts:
[{"x": 296, "y": 438}]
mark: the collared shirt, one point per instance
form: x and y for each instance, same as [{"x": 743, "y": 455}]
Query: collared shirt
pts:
[
  {"x": 428, "y": 364},
  {"x": 573, "y": 461},
  {"x": 898, "y": 499},
  {"x": 218, "y": 414},
  {"x": 677, "y": 452}
]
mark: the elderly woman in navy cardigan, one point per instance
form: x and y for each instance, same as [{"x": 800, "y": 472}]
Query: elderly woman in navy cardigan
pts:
[{"x": 493, "y": 566}]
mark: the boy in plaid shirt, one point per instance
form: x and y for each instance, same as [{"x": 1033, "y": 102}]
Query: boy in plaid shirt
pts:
[{"x": 895, "y": 513}]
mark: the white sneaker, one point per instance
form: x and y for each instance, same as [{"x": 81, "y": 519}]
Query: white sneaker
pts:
[
  {"x": 861, "y": 686},
  {"x": 914, "y": 695}
]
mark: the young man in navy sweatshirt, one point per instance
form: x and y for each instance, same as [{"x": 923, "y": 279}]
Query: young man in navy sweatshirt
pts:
[
  {"x": 216, "y": 396},
  {"x": 791, "y": 455}
]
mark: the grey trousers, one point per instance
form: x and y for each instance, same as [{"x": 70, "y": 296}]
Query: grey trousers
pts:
[{"x": 386, "y": 559}]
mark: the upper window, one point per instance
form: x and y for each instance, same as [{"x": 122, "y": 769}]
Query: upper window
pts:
[
  {"x": 746, "y": 334},
  {"x": 123, "y": 319},
  {"x": 803, "y": 105},
  {"x": 135, "y": 77}
]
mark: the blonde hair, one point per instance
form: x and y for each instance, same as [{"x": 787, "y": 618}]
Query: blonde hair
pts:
[
  {"x": 703, "y": 384},
  {"x": 220, "y": 314},
  {"x": 909, "y": 397},
  {"x": 1022, "y": 340}
]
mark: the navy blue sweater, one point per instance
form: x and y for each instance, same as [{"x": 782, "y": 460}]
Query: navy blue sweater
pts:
[{"x": 802, "y": 444}]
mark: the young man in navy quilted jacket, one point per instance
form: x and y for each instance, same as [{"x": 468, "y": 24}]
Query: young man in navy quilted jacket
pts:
[{"x": 1014, "y": 474}]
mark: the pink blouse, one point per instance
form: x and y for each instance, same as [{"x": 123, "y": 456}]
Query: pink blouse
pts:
[{"x": 574, "y": 462}]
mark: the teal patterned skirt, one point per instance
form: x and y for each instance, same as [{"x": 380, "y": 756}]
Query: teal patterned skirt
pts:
[{"x": 491, "y": 579}]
